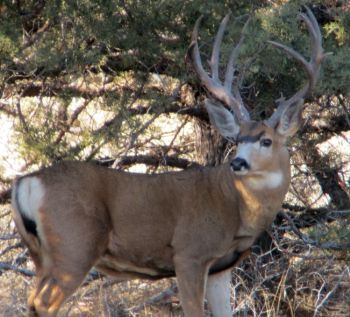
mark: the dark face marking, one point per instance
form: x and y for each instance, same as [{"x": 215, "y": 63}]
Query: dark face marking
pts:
[{"x": 249, "y": 138}]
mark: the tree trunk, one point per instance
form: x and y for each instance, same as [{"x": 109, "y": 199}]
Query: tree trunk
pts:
[{"x": 210, "y": 146}]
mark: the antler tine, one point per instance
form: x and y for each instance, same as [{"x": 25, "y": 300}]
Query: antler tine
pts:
[
  {"x": 214, "y": 61},
  {"x": 312, "y": 67},
  {"x": 233, "y": 57},
  {"x": 311, "y": 18},
  {"x": 193, "y": 51},
  {"x": 213, "y": 84},
  {"x": 230, "y": 70}
]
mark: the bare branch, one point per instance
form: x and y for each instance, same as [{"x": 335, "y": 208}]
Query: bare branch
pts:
[
  {"x": 307, "y": 240},
  {"x": 5, "y": 266},
  {"x": 11, "y": 247},
  {"x": 9, "y": 237},
  {"x": 5, "y": 195},
  {"x": 321, "y": 302},
  {"x": 152, "y": 160},
  {"x": 8, "y": 110},
  {"x": 162, "y": 296},
  {"x": 71, "y": 120},
  {"x": 135, "y": 135}
]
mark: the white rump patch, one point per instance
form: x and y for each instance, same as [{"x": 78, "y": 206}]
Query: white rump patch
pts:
[
  {"x": 30, "y": 193},
  {"x": 266, "y": 180}
]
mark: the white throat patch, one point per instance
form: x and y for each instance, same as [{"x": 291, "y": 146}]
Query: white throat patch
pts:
[{"x": 266, "y": 180}]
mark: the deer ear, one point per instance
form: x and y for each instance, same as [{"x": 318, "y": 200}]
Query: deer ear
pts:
[
  {"x": 290, "y": 119},
  {"x": 223, "y": 120}
]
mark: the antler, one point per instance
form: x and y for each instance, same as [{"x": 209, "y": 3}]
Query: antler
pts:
[
  {"x": 312, "y": 67},
  {"x": 220, "y": 91}
]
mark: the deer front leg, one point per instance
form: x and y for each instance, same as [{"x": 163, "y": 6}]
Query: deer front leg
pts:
[
  {"x": 191, "y": 279},
  {"x": 219, "y": 294}
]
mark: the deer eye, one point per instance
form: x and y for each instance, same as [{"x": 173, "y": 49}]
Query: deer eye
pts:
[{"x": 265, "y": 142}]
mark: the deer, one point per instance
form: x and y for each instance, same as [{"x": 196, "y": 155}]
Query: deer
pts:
[{"x": 195, "y": 225}]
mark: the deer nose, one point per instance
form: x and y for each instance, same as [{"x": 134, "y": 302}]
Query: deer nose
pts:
[{"x": 239, "y": 164}]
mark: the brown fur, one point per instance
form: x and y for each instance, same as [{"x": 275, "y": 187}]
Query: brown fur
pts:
[{"x": 135, "y": 225}]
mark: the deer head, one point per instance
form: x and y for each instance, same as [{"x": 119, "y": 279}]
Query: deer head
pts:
[{"x": 257, "y": 142}]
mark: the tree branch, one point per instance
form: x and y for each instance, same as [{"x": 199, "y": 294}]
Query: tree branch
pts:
[
  {"x": 174, "y": 107},
  {"x": 160, "y": 297},
  {"x": 5, "y": 196},
  {"x": 166, "y": 160},
  {"x": 334, "y": 246},
  {"x": 71, "y": 120},
  {"x": 8, "y": 110},
  {"x": 5, "y": 266}
]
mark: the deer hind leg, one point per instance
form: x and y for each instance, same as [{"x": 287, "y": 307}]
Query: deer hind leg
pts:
[
  {"x": 47, "y": 297},
  {"x": 219, "y": 294},
  {"x": 65, "y": 260},
  {"x": 54, "y": 285}
]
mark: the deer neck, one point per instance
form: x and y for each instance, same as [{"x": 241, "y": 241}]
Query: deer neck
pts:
[{"x": 260, "y": 197}]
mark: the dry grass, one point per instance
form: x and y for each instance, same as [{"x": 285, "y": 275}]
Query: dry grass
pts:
[{"x": 294, "y": 280}]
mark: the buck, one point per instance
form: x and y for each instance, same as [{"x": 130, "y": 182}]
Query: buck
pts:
[{"x": 195, "y": 224}]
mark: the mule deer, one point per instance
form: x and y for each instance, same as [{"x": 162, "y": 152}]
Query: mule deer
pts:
[{"x": 195, "y": 225}]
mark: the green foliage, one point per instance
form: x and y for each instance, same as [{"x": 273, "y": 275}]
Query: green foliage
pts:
[
  {"x": 337, "y": 35},
  {"x": 7, "y": 47},
  {"x": 63, "y": 43},
  {"x": 338, "y": 30},
  {"x": 336, "y": 233}
]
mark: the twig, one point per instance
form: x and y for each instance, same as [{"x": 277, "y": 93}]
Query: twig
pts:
[
  {"x": 5, "y": 266},
  {"x": 11, "y": 247},
  {"x": 172, "y": 290},
  {"x": 5, "y": 195},
  {"x": 135, "y": 135},
  {"x": 330, "y": 293},
  {"x": 8, "y": 110},
  {"x": 325, "y": 245},
  {"x": 71, "y": 121},
  {"x": 7, "y": 237},
  {"x": 338, "y": 213},
  {"x": 345, "y": 108},
  {"x": 294, "y": 228},
  {"x": 6, "y": 213},
  {"x": 154, "y": 160},
  {"x": 21, "y": 117},
  {"x": 170, "y": 146}
]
